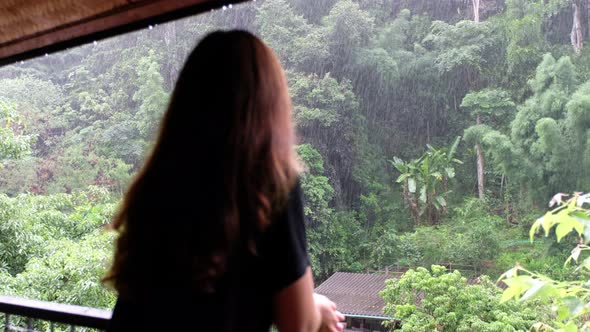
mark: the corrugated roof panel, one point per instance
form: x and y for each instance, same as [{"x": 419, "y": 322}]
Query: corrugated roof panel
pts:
[{"x": 355, "y": 293}]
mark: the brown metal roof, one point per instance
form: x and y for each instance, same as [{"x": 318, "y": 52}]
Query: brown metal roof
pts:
[
  {"x": 356, "y": 293},
  {"x": 33, "y": 27}
]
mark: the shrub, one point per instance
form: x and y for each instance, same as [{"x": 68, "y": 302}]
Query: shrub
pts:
[
  {"x": 435, "y": 300},
  {"x": 469, "y": 239}
]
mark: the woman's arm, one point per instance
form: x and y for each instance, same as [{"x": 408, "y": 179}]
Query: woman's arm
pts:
[{"x": 298, "y": 309}]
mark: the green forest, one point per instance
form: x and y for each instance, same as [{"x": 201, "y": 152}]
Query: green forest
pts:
[{"x": 434, "y": 133}]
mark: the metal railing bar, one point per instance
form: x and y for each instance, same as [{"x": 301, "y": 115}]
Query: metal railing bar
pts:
[
  {"x": 22, "y": 329},
  {"x": 55, "y": 312}
]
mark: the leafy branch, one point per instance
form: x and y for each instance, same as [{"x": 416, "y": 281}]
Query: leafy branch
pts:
[{"x": 570, "y": 299}]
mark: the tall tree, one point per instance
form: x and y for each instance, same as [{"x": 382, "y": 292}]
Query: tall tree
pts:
[
  {"x": 463, "y": 49},
  {"x": 151, "y": 96},
  {"x": 488, "y": 104},
  {"x": 327, "y": 116},
  {"x": 281, "y": 27}
]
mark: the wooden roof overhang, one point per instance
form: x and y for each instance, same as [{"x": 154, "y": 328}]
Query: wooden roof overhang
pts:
[{"x": 30, "y": 28}]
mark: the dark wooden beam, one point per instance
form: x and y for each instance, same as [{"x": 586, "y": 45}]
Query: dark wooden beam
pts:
[{"x": 136, "y": 15}]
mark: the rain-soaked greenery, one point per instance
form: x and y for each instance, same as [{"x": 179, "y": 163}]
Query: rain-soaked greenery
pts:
[{"x": 433, "y": 132}]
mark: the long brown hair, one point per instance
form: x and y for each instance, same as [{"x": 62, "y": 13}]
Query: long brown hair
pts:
[{"x": 223, "y": 162}]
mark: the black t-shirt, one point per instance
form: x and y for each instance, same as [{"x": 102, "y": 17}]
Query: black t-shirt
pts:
[{"x": 243, "y": 298}]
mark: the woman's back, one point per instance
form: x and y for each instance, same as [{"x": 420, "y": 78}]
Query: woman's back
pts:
[{"x": 243, "y": 297}]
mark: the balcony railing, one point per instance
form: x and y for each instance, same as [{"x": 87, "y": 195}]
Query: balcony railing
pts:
[{"x": 17, "y": 314}]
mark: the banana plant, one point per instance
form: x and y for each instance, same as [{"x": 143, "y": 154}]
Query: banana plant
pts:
[{"x": 424, "y": 181}]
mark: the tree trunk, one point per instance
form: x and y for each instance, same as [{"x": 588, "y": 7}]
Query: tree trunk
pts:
[
  {"x": 414, "y": 208},
  {"x": 428, "y": 131},
  {"x": 478, "y": 150},
  {"x": 171, "y": 43},
  {"x": 476, "y": 6},
  {"x": 445, "y": 185},
  {"x": 576, "y": 36},
  {"x": 480, "y": 164},
  {"x": 588, "y": 16}
]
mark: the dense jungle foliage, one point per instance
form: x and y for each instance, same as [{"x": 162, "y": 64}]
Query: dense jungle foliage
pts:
[{"x": 433, "y": 132}]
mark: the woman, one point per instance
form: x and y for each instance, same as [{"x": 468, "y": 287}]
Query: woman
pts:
[{"x": 211, "y": 231}]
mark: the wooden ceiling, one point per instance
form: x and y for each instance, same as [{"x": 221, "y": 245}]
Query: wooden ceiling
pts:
[{"x": 30, "y": 28}]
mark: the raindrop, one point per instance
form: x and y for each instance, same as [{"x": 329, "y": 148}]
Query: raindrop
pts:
[
  {"x": 151, "y": 27},
  {"x": 22, "y": 62},
  {"x": 224, "y": 7},
  {"x": 230, "y": 6},
  {"x": 46, "y": 54},
  {"x": 94, "y": 43}
]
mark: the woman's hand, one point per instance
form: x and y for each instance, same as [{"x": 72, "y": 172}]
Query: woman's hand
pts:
[{"x": 331, "y": 318}]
